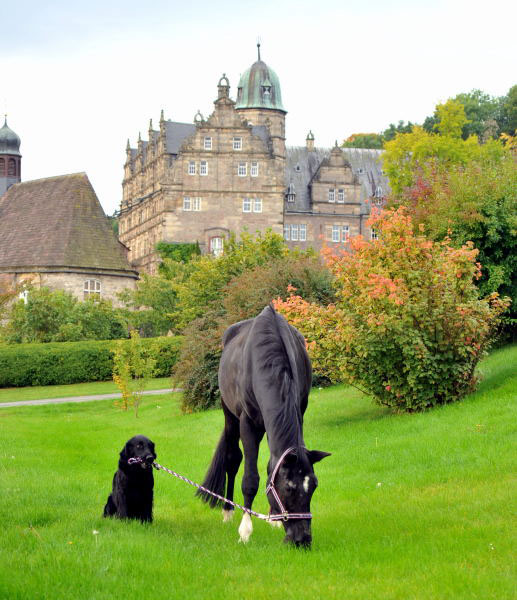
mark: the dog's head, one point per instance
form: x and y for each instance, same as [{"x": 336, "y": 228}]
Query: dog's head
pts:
[{"x": 138, "y": 447}]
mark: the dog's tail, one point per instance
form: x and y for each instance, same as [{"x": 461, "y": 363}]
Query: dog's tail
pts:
[{"x": 215, "y": 478}]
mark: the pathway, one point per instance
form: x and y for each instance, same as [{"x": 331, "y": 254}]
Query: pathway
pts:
[{"x": 73, "y": 399}]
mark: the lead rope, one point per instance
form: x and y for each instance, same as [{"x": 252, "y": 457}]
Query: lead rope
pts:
[{"x": 284, "y": 516}]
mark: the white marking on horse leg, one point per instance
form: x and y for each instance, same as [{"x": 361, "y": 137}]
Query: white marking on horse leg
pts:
[
  {"x": 245, "y": 528},
  {"x": 276, "y": 523},
  {"x": 306, "y": 484},
  {"x": 227, "y": 515}
]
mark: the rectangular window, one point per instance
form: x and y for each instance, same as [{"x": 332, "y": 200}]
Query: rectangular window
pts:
[
  {"x": 303, "y": 232},
  {"x": 257, "y": 205},
  {"x": 191, "y": 168},
  {"x": 237, "y": 143},
  {"x": 203, "y": 168},
  {"x": 335, "y": 233},
  {"x": 287, "y": 232},
  {"x": 242, "y": 169},
  {"x": 374, "y": 235},
  {"x": 208, "y": 143},
  {"x": 246, "y": 205},
  {"x": 196, "y": 204},
  {"x": 186, "y": 203},
  {"x": 254, "y": 169},
  {"x": 345, "y": 233},
  {"x": 332, "y": 195},
  {"x": 341, "y": 196},
  {"x": 294, "y": 233}
]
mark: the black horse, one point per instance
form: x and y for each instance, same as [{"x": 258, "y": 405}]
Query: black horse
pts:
[{"x": 265, "y": 377}]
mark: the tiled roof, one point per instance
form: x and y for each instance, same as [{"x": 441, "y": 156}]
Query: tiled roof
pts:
[{"x": 58, "y": 222}]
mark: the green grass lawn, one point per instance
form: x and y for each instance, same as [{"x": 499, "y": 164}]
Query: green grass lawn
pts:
[
  {"x": 76, "y": 389},
  {"x": 408, "y": 507}
]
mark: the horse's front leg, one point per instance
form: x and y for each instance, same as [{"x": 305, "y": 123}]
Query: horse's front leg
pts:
[{"x": 251, "y": 437}]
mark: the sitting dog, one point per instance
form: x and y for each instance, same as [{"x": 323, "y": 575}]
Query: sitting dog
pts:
[{"x": 132, "y": 495}]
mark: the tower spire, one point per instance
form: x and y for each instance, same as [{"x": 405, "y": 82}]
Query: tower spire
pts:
[{"x": 258, "y": 48}]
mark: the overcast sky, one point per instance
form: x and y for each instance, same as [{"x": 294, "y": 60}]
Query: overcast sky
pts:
[{"x": 79, "y": 78}]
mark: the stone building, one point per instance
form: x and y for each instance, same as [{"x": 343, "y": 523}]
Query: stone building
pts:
[
  {"x": 54, "y": 233},
  {"x": 232, "y": 171}
]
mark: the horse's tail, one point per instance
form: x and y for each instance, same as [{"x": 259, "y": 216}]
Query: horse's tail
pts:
[{"x": 215, "y": 478}]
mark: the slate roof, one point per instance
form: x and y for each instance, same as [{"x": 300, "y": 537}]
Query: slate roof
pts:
[
  {"x": 176, "y": 133},
  {"x": 302, "y": 165},
  {"x": 58, "y": 222}
]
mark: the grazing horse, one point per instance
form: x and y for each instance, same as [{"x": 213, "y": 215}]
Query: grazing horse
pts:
[{"x": 265, "y": 377}]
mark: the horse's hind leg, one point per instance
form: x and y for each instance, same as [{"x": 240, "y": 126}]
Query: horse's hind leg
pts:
[
  {"x": 233, "y": 459},
  {"x": 251, "y": 438}
]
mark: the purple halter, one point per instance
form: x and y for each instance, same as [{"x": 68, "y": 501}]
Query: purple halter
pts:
[{"x": 284, "y": 515}]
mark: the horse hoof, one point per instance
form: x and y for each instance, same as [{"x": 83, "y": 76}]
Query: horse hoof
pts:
[{"x": 227, "y": 515}]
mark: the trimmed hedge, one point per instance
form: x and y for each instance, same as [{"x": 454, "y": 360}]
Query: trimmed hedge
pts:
[{"x": 61, "y": 363}]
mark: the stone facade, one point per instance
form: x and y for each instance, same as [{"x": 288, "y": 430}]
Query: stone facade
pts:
[
  {"x": 81, "y": 285},
  {"x": 232, "y": 171}
]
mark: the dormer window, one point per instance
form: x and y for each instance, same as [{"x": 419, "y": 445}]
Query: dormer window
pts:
[
  {"x": 266, "y": 88},
  {"x": 291, "y": 193}
]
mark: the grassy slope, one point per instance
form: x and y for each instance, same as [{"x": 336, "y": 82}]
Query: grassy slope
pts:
[
  {"x": 75, "y": 389},
  {"x": 438, "y": 526}
]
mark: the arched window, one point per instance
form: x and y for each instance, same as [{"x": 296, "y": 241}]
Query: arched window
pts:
[
  {"x": 2, "y": 167},
  {"x": 92, "y": 289},
  {"x": 11, "y": 168},
  {"x": 216, "y": 246}
]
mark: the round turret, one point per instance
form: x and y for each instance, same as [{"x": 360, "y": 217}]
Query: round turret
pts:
[
  {"x": 9, "y": 141},
  {"x": 259, "y": 87}
]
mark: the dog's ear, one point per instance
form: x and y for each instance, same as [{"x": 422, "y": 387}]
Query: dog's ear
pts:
[{"x": 124, "y": 454}]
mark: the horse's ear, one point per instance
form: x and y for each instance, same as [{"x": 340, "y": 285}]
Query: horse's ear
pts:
[{"x": 317, "y": 455}]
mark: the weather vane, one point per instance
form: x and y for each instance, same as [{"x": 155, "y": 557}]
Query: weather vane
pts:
[{"x": 258, "y": 47}]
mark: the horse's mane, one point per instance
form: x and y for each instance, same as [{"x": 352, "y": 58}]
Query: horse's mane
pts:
[{"x": 274, "y": 346}]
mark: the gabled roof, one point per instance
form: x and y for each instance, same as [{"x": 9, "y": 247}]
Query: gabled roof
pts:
[
  {"x": 302, "y": 165},
  {"x": 58, "y": 222}
]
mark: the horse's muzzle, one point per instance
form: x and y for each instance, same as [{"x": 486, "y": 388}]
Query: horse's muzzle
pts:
[{"x": 299, "y": 534}]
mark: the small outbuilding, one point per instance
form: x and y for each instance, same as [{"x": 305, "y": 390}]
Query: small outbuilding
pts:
[{"x": 54, "y": 233}]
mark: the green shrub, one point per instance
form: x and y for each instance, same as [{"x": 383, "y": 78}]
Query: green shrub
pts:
[
  {"x": 75, "y": 362},
  {"x": 57, "y": 316},
  {"x": 408, "y": 326},
  {"x": 198, "y": 363},
  {"x": 243, "y": 298}
]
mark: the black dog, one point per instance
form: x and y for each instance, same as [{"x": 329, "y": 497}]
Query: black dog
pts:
[{"x": 132, "y": 495}]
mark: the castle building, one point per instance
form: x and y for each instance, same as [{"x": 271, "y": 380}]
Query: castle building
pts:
[{"x": 232, "y": 171}]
